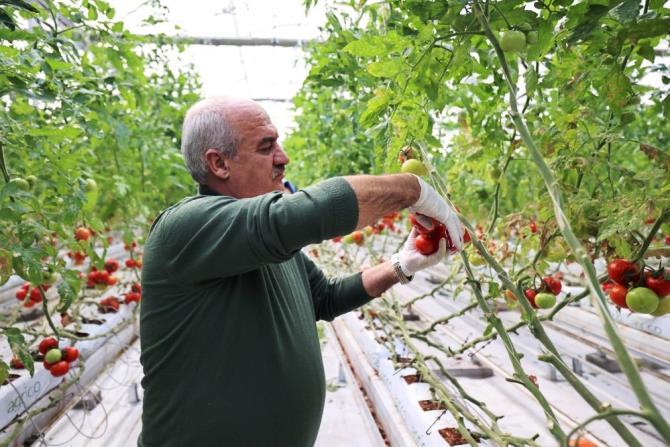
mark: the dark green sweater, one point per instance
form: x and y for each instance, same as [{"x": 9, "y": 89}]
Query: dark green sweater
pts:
[{"x": 230, "y": 350}]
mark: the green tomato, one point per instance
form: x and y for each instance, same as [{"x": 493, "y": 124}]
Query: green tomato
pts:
[
  {"x": 53, "y": 356},
  {"x": 512, "y": 41},
  {"x": 348, "y": 239},
  {"x": 642, "y": 300},
  {"x": 531, "y": 37},
  {"x": 20, "y": 183},
  {"x": 663, "y": 307},
  {"x": 31, "y": 179},
  {"x": 414, "y": 166},
  {"x": 495, "y": 173},
  {"x": 545, "y": 300},
  {"x": 90, "y": 185},
  {"x": 51, "y": 278},
  {"x": 525, "y": 26}
]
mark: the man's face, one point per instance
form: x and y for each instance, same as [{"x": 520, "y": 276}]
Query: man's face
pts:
[{"x": 258, "y": 167}]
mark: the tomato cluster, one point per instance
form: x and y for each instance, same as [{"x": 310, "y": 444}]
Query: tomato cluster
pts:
[
  {"x": 78, "y": 257},
  {"x": 544, "y": 297},
  {"x": 100, "y": 279},
  {"x": 110, "y": 304},
  {"x": 135, "y": 294},
  {"x": 56, "y": 360},
  {"x": 428, "y": 240},
  {"x": 133, "y": 263},
  {"x": 637, "y": 289},
  {"x": 32, "y": 293}
]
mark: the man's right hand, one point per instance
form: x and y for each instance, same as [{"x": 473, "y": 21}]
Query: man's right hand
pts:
[{"x": 433, "y": 205}]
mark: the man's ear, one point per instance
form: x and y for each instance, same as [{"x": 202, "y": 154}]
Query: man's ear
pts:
[{"x": 218, "y": 164}]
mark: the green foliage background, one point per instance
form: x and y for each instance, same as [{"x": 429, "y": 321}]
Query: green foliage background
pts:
[{"x": 421, "y": 73}]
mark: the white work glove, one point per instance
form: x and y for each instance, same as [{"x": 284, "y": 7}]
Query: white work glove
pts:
[
  {"x": 411, "y": 260},
  {"x": 431, "y": 204}
]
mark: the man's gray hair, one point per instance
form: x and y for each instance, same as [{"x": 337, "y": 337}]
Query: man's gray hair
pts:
[{"x": 206, "y": 127}]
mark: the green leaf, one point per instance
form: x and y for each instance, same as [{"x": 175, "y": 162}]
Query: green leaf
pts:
[
  {"x": 647, "y": 52},
  {"x": 648, "y": 28},
  {"x": 386, "y": 69},
  {"x": 20, "y": 348},
  {"x": 4, "y": 372},
  {"x": 626, "y": 11},
  {"x": 375, "y": 107},
  {"x": 589, "y": 23},
  {"x": 366, "y": 47}
]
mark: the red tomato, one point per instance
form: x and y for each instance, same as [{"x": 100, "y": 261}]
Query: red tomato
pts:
[
  {"x": 46, "y": 344},
  {"x": 420, "y": 228},
  {"x": 60, "y": 368},
  {"x": 16, "y": 363},
  {"x": 607, "y": 286},
  {"x": 618, "y": 295},
  {"x": 426, "y": 245},
  {"x": 21, "y": 294},
  {"x": 533, "y": 227},
  {"x": 667, "y": 240},
  {"x": 70, "y": 354},
  {"x": 530, "y": 294},
  {"x": 136, "y": 287},
  {"x": 466, "y": 237},
  {"x": 112, "y": 280},
  {"x": 130, "y": 263},
  {"x": 36, "y": 295},
  {"x": 623, "y": 272},
  {"x": 357, "y": 235},
  {"x": 111, "y": 265},
  {"x": 659, "y": 282},
  {"x": 552, "y": 284},
  {"x": 82, "y": 234}
]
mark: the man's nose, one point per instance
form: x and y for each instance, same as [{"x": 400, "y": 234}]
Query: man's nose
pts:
[{"x": 281, "y": 158}]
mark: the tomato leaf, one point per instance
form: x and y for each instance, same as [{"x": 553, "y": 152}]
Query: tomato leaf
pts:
[
  {"x": 20, "y": 348},
  {"x": 4, "y": 372}
]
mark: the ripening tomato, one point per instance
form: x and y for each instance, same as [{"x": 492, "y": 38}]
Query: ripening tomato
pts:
[
  {"x": 414, "y": 166},
  {"x": 623, "y": 272},
  {"x": 531, "y": 294},
  {"x": 658, "y": 282},
  {"x": 358, "y": 236},
  {"x": 426, "y": 245},
  {"x": 82, "y": 234},
  {"x": 552, "y": 284},
  {"x": 581, "y": 442},
  {"x": 59, "y": 369},
  {"x": 617, "y": 294},
  {"x": 16, "y": 363},
  {"x": 46, "y": 344}
]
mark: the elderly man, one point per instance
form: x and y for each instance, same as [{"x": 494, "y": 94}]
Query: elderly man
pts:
[{"x": 228, "y": 321}]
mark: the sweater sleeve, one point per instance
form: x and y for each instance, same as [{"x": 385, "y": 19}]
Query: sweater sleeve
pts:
[
  {"x": 212, "y": 237},
  {"x": 333, "y": 297}
]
